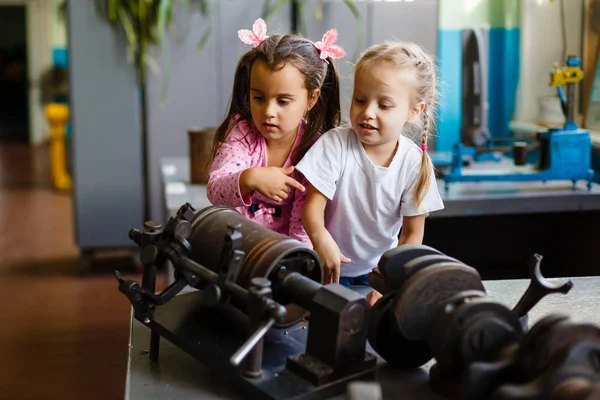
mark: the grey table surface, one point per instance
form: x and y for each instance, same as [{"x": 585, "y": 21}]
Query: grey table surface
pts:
[
  {"x": 178, "y": 375},
  {"x": 461, "y": 200}
]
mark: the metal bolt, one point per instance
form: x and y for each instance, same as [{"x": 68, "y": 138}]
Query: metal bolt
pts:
[
  {"x": 233, "y": 226},
  {"x": 152, "y": 225},
  {"x": 147, "y": 320},
  {"x": 261, "y": 283}
]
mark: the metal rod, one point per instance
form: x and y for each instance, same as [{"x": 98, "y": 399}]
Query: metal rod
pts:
[
  {"x": 237, "y": 357},
  {"x": 209, "y": 276},
  {"x": 149, "y": 278},
  {"x": 298, "y": 288},
  {"x": 570, "y": 102}
]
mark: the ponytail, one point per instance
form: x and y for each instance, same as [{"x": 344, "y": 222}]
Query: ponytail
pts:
[{"x": 426, "y": 166}]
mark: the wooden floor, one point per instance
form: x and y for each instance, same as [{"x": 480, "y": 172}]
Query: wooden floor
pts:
[{"x": 64, "y": 335}]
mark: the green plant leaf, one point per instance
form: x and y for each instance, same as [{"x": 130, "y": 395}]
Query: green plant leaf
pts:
[
  {"x": 164, "y": 8},
  {"x": 205, "y": 36},
  {"x": 113, "y": 10},
  {"x": 152, "y": 64},
  {"x": 204, "y": 7},
  {"x": 129, "y": 29}
]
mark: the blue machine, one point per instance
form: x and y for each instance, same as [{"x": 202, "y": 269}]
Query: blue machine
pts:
[{"x": 564, "y": 153}]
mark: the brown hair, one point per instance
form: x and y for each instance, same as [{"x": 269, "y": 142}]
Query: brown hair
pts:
[
  {"x": 403, "y": 55},
  {"x": 278, "y": 51}
]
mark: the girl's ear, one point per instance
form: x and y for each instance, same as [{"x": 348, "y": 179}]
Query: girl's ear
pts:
[
  {"x": 414, "y": 112},
  {"x": 312, "y": 98}
]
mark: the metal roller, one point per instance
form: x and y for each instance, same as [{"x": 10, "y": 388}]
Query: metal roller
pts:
[{"x": 265, "y": 251}]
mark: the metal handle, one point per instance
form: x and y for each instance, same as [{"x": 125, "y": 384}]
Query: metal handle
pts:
[
  {"x": 538, "y": 288},
  {"x": 237, "y": 357}
]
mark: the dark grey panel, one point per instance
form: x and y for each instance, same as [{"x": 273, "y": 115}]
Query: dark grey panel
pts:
[
  {"x": 415, "y": 21},
  {"x": 106, "y": 144},
  {"x": 336, "y": 14}
]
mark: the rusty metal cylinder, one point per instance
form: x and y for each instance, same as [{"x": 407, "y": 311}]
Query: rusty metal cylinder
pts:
[{"x": 265, "y": 251}]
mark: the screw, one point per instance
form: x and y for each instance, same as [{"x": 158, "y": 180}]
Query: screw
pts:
[{"x": 147, "y": 320}]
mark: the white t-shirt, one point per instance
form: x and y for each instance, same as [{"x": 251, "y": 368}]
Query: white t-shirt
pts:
[{"x": 367, "y": 202}]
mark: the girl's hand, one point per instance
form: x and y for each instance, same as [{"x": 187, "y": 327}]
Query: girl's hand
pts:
[
  {"x": 373, "y": 297},
  {"x": 331, "y": 257},
  {"x": 271, "y": 182}
]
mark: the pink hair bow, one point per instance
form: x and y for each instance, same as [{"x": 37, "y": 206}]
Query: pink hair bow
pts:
[
  {"x": 256, "y": 36},
  {"x": 327, "y": 46}
]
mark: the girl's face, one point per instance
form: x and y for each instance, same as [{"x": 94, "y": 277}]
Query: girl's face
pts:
[
  {"x": 382, "y": 104},
  {"x": 278, "y": 100}
]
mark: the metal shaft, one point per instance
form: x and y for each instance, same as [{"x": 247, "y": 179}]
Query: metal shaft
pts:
[
  {"x": 237, "y": 357},
  {"x": 570, "y": 102},
  {"x": 209, "y": 276}
]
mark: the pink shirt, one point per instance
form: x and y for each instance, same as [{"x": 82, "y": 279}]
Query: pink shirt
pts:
[{"x": 245, "y": 147}]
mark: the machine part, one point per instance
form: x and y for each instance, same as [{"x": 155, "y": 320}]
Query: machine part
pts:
[
  {"x": 391, "y": 264},
  {"x": 296, "y": 363},
  {"x": 441, "y": 310},
  {"x": 339, "y": 325},
  {"x": 427, "y": 289},
  {"x": 538, "y": 288},
  {"x": 475, "y": 103},
  {"x": 262, "y": 317},
  {"x": 265, "y": 252},
  {"x": 387, "y": 341},
  {"x": 556, "y": 359},
  {"x": 520, "y": 153},
  {"x": 418, "y": 278},
  {"x": 469, "y": 328},
  {"x": 564, "y": 153}
]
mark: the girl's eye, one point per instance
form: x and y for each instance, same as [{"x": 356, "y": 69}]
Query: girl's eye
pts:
[
  {"x": 385, "y": 106},
  {"x": 257, "y": 98},
  {"x": 284, "y": 102},
  {"x": 359, "y": 101}
]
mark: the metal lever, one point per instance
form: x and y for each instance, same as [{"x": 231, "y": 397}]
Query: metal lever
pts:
[
  {"x": 237, "y": 357},
  {"x": 263, "y": 312},
  {"x": 538, "y": 288}
]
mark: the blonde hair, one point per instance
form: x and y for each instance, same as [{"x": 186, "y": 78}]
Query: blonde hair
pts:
[{"x": 410, "y": 55}]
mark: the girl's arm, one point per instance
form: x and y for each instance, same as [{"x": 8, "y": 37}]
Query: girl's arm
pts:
[
  {"x": 313, "y": 218},
  {"x": 231, "y": 160},
  {"x": 297, "y": 230},
  {"x": 413, "y": 229}
]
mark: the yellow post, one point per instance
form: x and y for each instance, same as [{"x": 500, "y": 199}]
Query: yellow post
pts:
[{"x": 58, "y": 115}]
